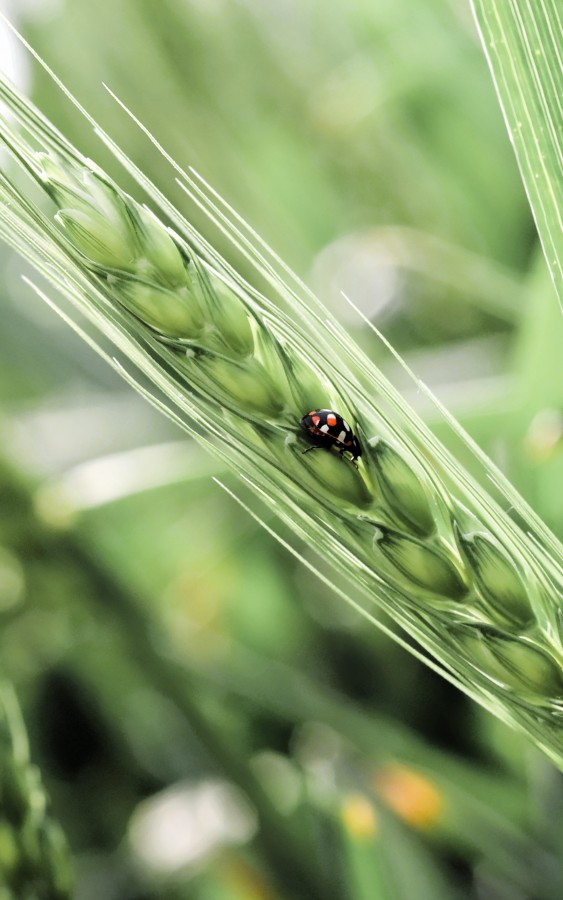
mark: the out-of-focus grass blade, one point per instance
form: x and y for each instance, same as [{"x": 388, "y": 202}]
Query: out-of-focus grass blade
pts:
[
  {"x": 523, "y": 44},
  {"x": 366, "y": 865},
  {"x": 411, "y": 868},
  {"x": 537, "y": 431}
]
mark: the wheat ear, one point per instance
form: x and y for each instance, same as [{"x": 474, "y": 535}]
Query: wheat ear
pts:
[{"x": 407, "y": 525}]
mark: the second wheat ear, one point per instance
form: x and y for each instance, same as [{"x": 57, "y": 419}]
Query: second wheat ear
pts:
[{"x": 407, "y": 525}]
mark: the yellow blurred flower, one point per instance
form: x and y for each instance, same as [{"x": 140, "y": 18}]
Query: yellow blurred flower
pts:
[
  {"x": 410, "y": 795},
  {"x": 359, "y": 816}
]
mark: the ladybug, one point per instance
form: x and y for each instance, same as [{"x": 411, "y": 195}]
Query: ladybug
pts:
[{"x": 327, "y": 429}]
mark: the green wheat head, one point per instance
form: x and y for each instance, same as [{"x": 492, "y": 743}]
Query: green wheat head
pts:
[{"x": 479, "y": 593}]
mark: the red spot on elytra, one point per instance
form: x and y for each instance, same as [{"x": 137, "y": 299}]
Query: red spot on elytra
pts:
[{"x": 316, "y": 420}]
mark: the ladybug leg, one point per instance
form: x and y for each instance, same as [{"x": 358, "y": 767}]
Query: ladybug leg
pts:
[
  {"x": 343, "y": 450},
  {"x": 308, "y": 449}
]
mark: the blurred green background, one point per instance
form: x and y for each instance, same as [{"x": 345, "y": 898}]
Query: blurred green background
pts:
[{"x": 210, "y": 723}]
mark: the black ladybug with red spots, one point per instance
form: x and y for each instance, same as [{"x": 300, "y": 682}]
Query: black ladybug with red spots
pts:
[{"x": 325, "y": 428}]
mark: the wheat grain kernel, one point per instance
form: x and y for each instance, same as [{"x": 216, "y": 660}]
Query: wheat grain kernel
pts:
[{"x": 423, "y": 565}]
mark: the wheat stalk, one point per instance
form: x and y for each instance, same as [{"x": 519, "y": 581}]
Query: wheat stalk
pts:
[
  {"x": 406, "y": 524},
  {"x": 33, "y": 852}
]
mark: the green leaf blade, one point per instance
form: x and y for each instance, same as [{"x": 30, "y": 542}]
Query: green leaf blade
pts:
[{"x": 524, "y": 49}]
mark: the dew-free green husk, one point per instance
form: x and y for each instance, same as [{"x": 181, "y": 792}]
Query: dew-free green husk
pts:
[{"x": 406, "y": 525}]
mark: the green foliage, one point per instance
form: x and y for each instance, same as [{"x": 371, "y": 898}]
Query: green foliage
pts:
[
  {"x": 33, "y": 853},
  {"x": 164, "y": 648},
  {"x": 522, "y": 43}
]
